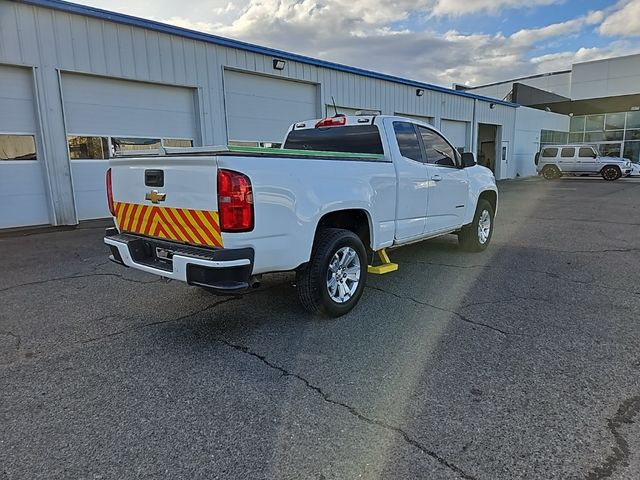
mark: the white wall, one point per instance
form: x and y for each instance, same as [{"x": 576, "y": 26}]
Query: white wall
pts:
[
  {"x": 558, "y": 83},
  {"x": 529, "y": 122},
  {"x": 606, "y": 78}
]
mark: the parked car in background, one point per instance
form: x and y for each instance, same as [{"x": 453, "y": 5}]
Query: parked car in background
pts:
[{"x": 559, "y": 160}]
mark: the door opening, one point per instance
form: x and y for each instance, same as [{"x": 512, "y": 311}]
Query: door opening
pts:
[{"x": 488, "y": 154}]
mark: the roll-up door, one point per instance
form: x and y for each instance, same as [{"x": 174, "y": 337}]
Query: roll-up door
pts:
[
  {"x": 23, "y": 197},
  {"x": 456, "y": 133},
  {"x": 104, "y": 115},
  {"x": 259, "y": 109}
]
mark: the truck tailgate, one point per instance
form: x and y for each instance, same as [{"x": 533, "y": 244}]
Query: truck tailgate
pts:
[{"x": 173, "y": 198}]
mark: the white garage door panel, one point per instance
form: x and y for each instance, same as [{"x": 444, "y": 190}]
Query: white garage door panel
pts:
[
  {"x": 17, "y": 113},
  {"x": 120, "y": 108},
  {"x": 106, "y": 106},
  {"x": 89, "y": 188},
  {"x": 456, "y": 132},
  {"x": 23, "y": 199},
  {"x": 260, "y": 108},
  {"x": 419, "y": 118}
]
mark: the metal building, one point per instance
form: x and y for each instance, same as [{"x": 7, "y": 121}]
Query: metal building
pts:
[{"x": 79, "y": 83}]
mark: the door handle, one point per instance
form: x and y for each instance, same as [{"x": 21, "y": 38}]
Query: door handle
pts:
[{"x": 436, "y": 178}]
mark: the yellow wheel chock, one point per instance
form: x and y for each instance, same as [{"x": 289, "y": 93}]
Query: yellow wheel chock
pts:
[{"x": 386, "y": 267}]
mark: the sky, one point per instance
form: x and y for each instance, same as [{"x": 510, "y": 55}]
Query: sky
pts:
[{"x": 470, "y": 42}]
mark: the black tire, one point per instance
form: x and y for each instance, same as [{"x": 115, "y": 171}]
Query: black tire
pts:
[
  {"x": 551, "y": 172},
  {"x": 610, "y": 173},
  {"x": 312, "y": 279},
  {"x": 469, "y": 237}
]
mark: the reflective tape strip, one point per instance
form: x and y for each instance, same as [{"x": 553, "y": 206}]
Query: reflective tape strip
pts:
[{"x": 198, "y": 227}]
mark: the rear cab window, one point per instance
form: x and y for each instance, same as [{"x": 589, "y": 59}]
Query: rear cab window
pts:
[
  {"x": 549, "y": 152},
  {"x": 347, "y": 139},
  {"x": 408, "y": 142}
]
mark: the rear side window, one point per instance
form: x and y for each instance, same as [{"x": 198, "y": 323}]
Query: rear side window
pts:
[
  {"x": 567, "y": 152},
  {"x": 586, "y": 153},
  {"x": 349, "y": 139},
  {"x": 407, "y": 139},
  {"x": 549, "y": 152}
]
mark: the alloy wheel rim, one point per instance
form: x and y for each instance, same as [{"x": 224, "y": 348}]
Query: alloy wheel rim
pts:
[
  {"x": 343, "y": 275},
  {"x": 484, "y": 227}
]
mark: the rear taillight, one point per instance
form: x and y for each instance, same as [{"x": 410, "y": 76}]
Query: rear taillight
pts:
[
  {"x": 332, "y": 122},
  {"x": 110, "y": 194},
  {"x": 235, "y": 201}
]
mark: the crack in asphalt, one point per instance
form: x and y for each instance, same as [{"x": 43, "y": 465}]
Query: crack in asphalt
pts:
[
  {"x": 69, "y": 277},
  {"x": 553, "y": 275},
  {"x": 352, "y": 410},
  {"x": 627, "y": 410},
  {"x": 152, "y": 324},
  {"x": 459, "y": 315}
]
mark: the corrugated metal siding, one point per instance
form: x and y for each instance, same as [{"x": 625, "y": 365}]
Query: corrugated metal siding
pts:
[{"x": 55, "y": 40}]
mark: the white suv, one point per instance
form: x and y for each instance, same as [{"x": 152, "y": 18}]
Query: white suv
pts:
[{"x": 558, "y": 160}]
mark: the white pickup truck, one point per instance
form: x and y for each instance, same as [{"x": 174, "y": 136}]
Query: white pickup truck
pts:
[{"x": 340, "y": 189}]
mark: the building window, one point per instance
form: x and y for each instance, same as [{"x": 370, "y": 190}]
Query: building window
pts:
[
  {"x": 119, "y": 144},
  {"x": 632, "y": 151},
  {"x": 577, "y": 124},
  {"x": 550, "y": 137},
  {"x": 575, "y": 137},
  {"x": 595, "y": 123},
  {"x": 633, "y": 120},
  {"x": 614, "y": 121},
  {"x": 88, "y": 148},
  {"x": 17, "y": 147},
  {"x": 177, "y": 142},
  {"x": 632, "y": 135}
]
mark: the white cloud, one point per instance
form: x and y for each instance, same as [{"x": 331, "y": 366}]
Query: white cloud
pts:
[
  {"x": 624, "y": 21},
  {"x": 463, "y": 7},
  {"x": 363, "y": 33},
  {"x": 560, "y": 60}
]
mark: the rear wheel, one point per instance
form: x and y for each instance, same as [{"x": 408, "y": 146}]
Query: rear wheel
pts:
[
  {"x": 476, "y": 236},
  {"x": 334, "y": 279},
  {"x": 611, "y": 173},
  {"x": 551, "y": 172}
]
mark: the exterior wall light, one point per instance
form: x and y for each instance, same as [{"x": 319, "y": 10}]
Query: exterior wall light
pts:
[
  {"x": 419, "y": 92},
  {"x": 278, "y": 64},
  {"x": 492, "y": 106}
]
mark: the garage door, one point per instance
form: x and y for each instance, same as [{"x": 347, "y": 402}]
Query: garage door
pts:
[
  {"x": 104, "y": 115},
  {"x": 330, "y": 111},
  {"x": 419, "y": 118},
  {"x": 259, "y": 109},
  {"x": 23, "y": 199},
  {"x": 456, "y": 133}
]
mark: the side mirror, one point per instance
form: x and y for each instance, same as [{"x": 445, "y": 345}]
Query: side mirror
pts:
[{"x": 468, "y": 160}]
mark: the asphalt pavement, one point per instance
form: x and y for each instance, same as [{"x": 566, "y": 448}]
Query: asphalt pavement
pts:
[{"x": 519, "y": 362}]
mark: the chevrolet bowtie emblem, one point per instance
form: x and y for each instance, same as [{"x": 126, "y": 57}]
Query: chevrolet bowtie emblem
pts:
[{"x": 154, "y": 197}]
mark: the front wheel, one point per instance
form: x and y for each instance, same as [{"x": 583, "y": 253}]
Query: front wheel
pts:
[
  {"x": 334, "y": 279},
  {"x": 476, "y": 236},
  {"x": 611, "y": 173}
]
